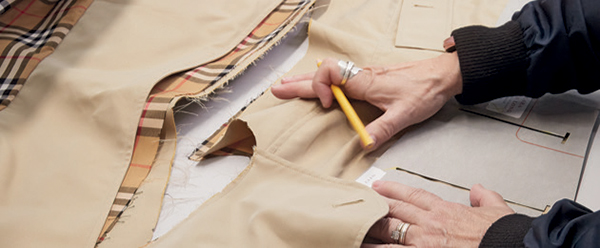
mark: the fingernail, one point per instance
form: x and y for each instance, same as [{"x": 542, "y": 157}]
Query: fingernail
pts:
[
  {"x": 373, "y": 144},
  {"x": 376, "y": 184}
]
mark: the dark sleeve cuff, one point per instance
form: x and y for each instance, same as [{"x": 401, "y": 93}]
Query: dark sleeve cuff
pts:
[
  {"x": 508, "y": 231},
  {"x": 493, "y": 62}
]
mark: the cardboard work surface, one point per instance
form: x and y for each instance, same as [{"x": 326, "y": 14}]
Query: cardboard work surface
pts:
[{"x": 525, "y": 166}]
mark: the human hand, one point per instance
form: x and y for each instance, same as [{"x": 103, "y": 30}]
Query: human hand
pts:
[
  {"x": 435, "y": 222},
  {"x": 408, "y": 93}
]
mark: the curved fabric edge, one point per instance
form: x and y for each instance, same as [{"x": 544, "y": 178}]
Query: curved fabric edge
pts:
[
  {"x": 273, "y": 203},
  {"x": 78, "y": 116}
]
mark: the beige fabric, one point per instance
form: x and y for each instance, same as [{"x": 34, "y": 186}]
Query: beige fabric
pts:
[
  {"x": 424, "y": 23},
  {"x": 66, "y": 141},
  {"x": 305, "y": 154},
  {"x": 301, "y": 131},
  {"x": 136, "y": 225},
  {"x": 304, "y": 210},
  {"x": 198, "y": 82}
]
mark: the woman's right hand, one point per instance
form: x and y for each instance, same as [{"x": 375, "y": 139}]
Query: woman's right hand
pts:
[{"x": 408, "y": 93}]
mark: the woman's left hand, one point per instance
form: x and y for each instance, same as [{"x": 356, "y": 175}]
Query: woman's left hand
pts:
[{"x": 435, "y": 222}]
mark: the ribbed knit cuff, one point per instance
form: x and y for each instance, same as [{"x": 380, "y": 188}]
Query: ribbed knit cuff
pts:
[
  {"x": 508, "y": 231},
  {"x": 493, "y": 62}
]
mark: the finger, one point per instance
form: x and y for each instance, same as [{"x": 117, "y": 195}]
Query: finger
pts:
[
  {"x": 406, "y": 212},
  {"x": 382, "y": 246},
  {"x": 482, "y": 197},
  {"x": 384, "y": 127},
  {"x": 383, "y": 228},
  {"x": 296, "y": 78},
  {"x": 301, "y": 89},
  {"x": 327, "y": 74},
  {"x": 420, "y": 198},
  {"x": 357, "y": 86}
]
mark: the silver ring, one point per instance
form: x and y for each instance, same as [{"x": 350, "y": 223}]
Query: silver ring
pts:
[
  {"x": 403, "y": 231},
  {"x": 348, "y": 70},
  {"x": 396, "y": 233},
  {"x": 399, "y": 235}
]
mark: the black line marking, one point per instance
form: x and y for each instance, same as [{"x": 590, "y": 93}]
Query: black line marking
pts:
[
  {"x": 460, "y": 187},
  {"x": 564, "y": 138}
]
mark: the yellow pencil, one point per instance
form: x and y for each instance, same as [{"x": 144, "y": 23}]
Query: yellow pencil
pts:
[{"x": 353, "y": 118}]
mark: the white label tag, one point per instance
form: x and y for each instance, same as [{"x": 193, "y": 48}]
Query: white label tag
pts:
[
  {"x": 513, "y": 106},
  {"x": 371, "y": 175}
]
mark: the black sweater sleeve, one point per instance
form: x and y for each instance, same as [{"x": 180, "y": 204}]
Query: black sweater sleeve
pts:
[
  {"x": 567, "y": 224},
  {"x": 550, "y": 46},
  {"x": 508, "y": 231}
]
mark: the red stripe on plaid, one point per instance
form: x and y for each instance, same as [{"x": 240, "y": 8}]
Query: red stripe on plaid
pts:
[
  {"x": 17, "y": 17},
  {"x": 25, "y": 13}
]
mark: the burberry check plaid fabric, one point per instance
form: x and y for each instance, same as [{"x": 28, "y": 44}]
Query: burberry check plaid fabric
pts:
[
  {"x": 31, "y": 30},
  {"x": 5, "y": 5},
  {"x": 199, "y": 81}
]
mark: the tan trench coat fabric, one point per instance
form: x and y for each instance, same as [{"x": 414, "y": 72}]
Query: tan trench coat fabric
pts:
[
  {"x": 277, "y": 204},
  {"x": 199, "y": 83},
  {"x": 66, "y": 141},
  {"x": 307, "y": 157}
]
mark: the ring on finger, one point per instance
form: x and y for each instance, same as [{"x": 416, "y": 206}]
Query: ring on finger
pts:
[
  {"x": 399, "y": 234},
  {"x": 396, "y": 233},
  {"x": 348, "y": 70},
  {"x": 403, "y": 232}
]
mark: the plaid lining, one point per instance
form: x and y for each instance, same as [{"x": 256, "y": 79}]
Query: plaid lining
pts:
[
  {"x": 237, "y": 148},
  {"x": 199, "y": 81},
  {"x": 5, "y": 5},
  {"x": 30, "y": 30}
]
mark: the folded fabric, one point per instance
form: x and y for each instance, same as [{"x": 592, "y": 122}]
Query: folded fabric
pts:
[
  {"x": 66, "y": 142},
  {"x": 197, "y": 83}
]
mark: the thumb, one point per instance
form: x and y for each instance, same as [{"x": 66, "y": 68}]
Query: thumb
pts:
[
  {"x": 482, "y": 197},
  {"x": 383, "y": 128}
]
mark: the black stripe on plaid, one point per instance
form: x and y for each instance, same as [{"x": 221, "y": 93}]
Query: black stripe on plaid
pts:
[
  {"x": 284, "y": 7},
  {"x": 223, "y": 73},
  {"x": 25, "y": 44},
  {"x": 6, "y": 86},
  {"x": 36, "y": 38},
  {"x": 5, "y": 5}
]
